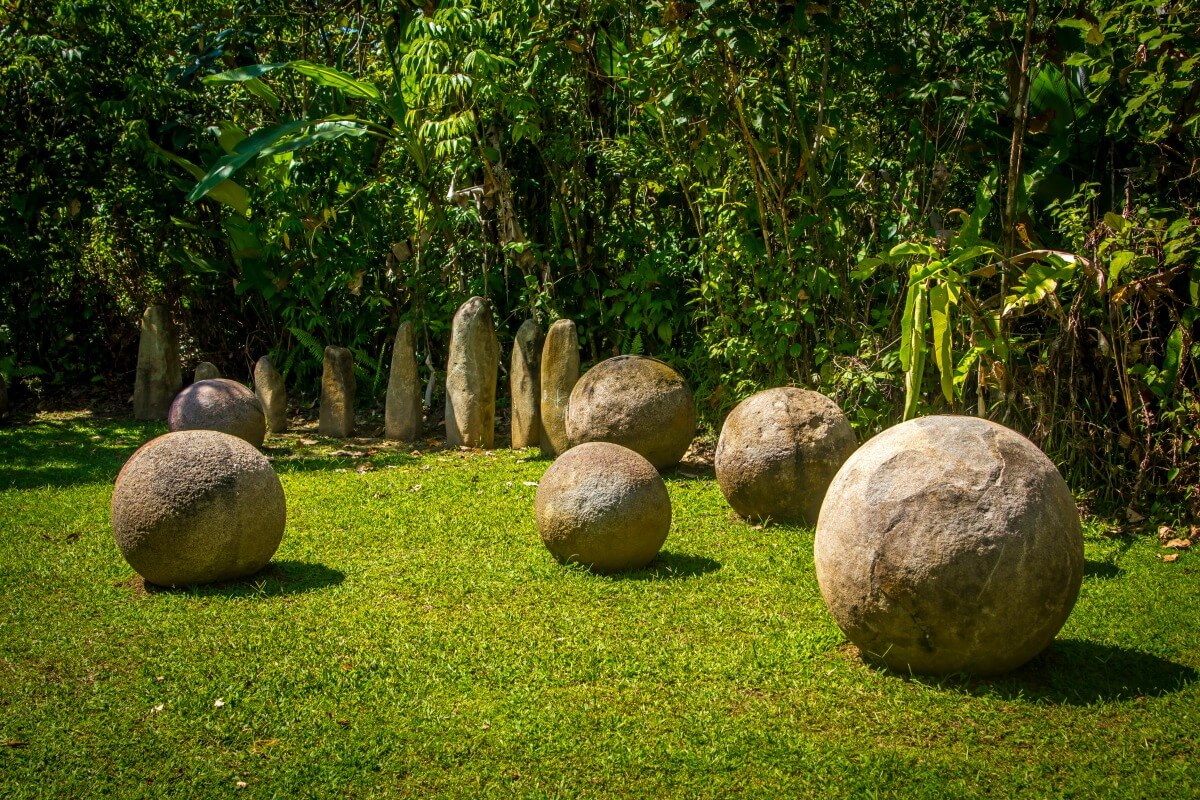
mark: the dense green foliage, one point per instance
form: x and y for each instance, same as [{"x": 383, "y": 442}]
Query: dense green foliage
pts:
[
  {"x": 413, "y": 638},
  {"x": 913, "y": 207}
]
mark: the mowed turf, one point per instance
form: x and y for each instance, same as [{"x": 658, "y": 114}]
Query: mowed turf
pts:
[{"x": 413, "y": 637}]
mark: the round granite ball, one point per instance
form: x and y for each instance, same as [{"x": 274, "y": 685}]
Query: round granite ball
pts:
[
  {"x": 219, "y": 404},
  {"x": 636, "y": 402},
  {"x": 197, "y": 507},
  {"x": 949, "y": 544},
  {"x": 604, "y": 506},
  {"x": 778, "y": 451}
]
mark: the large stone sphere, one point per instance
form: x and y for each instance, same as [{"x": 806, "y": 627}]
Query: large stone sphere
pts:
[
  {"x": 604, "y": 506},
  {"x": 219, "y": 404},
  {"x": 636, "y": 402},
  {"x": 949, "y": 544},
  {"x": 197, "y": 507},
  {"x": 778, "y": 451}
]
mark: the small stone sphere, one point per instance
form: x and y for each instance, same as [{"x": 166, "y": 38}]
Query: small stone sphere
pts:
[
  {"x": 778, "y": 451},
  {"x": 604, "y": 506},
  {"x": 196, "y": 507},
  {"x": 949, "y": 544},
  {"x": 637, "y": 402},
  {"x": 219, "y": 404}
]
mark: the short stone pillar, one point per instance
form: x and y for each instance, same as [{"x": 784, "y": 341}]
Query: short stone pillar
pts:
[
  {"x": 525, "y": 385},
  {"x": 159, "y": 373},
  {"x": 471, "y": 376},
  {"x": 402, "y": 413},
  {"x": 337, "y": 393},
  {"x": 559, "y": 374},
  {"x": 271, "y": 392},
  {"x": 205, "y": 371}
]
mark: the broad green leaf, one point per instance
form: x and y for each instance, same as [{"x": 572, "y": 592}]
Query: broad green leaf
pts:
[
  {"x": 224, "y": 191},
  {"x": 971, "y": 231},
  {"x": 1115, "y": 221},
  {"x": 1038, "y": 281},
  {"x": 242, "y": 74},
  {"x": 263, "y": 92},
  {"x": 912, "y": 249},
  {"x": 939, "y": 316},
  {"x": 665, "y": 332},
  {"x": 269, "y": 141},
  {"x": 328, "y": 76},
  {"x": 915, "y": 376},
  {"x": 866, "y": 268},
  {"x": 906, "y": 327},
  {"x": 1120, "y": 260}
]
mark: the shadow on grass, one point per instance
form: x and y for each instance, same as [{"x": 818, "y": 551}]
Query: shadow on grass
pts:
[
  {"x": 671, "y": 566},
  {"x": 1101, "y": 570},
  {"x": 62, "y": 453},
  {"x": 1079, "y": 673},
  {"x": 274, "y": 580}
]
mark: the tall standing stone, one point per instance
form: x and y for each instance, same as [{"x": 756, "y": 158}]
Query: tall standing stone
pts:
[
  {"x": 560, "y": 372},
  {"x": 525, "y": 384},
  {"x": 205, "y": 371},
  {"x": 271, "y": 392},
  {"x": 3, "y": 398},
  {"x": 402, "y": 414},
  {"x": 337, "y": 393},
  {"x": 471, "y": 376},
  {"x": 159, "y": 373}
]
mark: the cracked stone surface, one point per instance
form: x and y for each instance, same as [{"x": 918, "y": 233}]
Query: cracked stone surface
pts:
[{"x": 949, "y": 544}]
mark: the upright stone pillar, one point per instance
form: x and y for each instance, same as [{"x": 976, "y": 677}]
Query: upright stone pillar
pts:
[
  {"x": 471, "y": 376},
  {"x": 3, "y": 398},
  {"x": 402, "y": 413},
  {"x": 525, "y": 384},
  {"x": 271, "y": 392},
  {"x": 205, "y": 371},
  {"x": 337, "y": 393},
  {"x": 159, "y": 373},
  {"x": 560, "y": 372}
]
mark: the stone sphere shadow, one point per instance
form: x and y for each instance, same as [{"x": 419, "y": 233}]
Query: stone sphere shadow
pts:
[
  {"x": 668, "y": 565},
  {"x": 1074, "y": 672},
  {"x": 276, "y": 579}
]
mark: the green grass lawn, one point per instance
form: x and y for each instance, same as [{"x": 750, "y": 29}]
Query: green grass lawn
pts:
[{"x": 413, "y": 637}]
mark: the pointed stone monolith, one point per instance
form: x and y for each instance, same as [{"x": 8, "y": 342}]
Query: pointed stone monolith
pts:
[
  {"x": 159, "y": 373},
  {"x": 402, "y": 413},
  {"x": 205, "y": 371},
  {"x": 525, "y": 384},
  {"x": 271, "y": 392},
  {"x": 471, "y": 370},
  {"x": 337, "y": 393},
  {"x": 559, "y": 373}
]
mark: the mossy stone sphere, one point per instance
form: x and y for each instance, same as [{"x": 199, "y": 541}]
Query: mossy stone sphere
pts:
[
  {"x": 637, "y": 402},
  {"x": 219, "y": 404},
  {"x": 197, "y": 507},
  {"x": 949, "y": 544},
  {"x": 604, "y": 506},
  {"x": 778, "y": 451}
]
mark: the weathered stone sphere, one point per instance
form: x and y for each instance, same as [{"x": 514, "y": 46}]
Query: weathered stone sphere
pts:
[
  {"x": 604, "y": 506},
  {"x": 219, "y": 404},
  {"x": 778, "y": 451},
  {"x": 949, "y": 544},
  {"x": 637, "y": 402},
  {"x": 196, "y": 507}
]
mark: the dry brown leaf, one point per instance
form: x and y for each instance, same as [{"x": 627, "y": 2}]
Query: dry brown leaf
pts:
[
  {"x": 1171, "y": 557},
  {"x": 1165, "y": 532},
  {"x": 1179, "y": 544},
  {"x": 1133, "y": 516}
]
